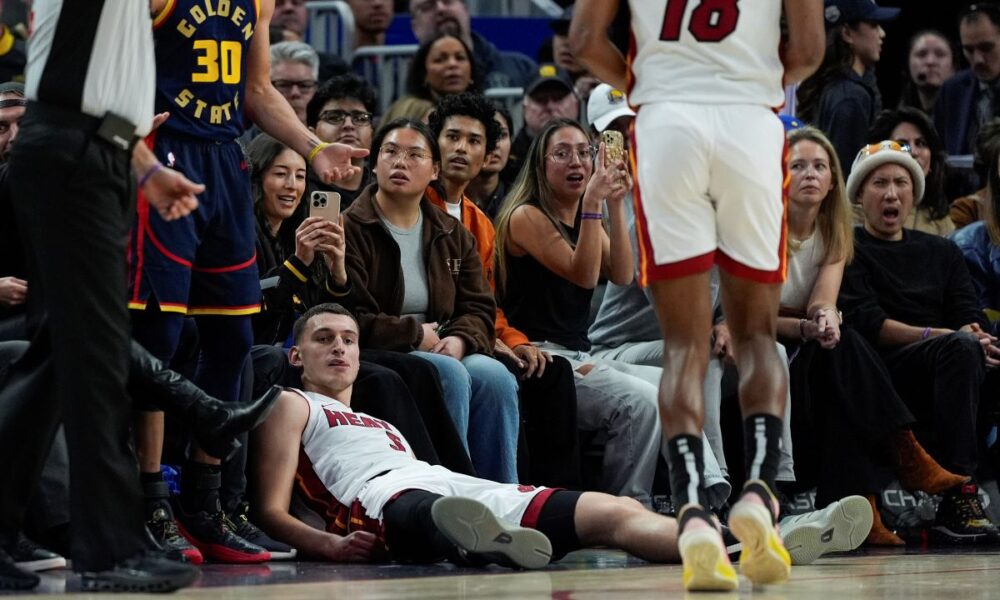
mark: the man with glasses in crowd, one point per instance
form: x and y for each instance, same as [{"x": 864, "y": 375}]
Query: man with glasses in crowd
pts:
[
  {"x": 341, "y": 112},
  {"x": 294, "y": 72}
]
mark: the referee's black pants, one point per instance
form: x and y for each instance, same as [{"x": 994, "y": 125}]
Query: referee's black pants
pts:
[{"x": 72, "y": 195}]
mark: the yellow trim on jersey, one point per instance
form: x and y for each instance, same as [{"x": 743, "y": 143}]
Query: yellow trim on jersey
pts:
[
  {"x": 229, "y": 312},
  {"x": 167, "y": 9},
  {"x": 256, "y": 4},
  {"x": 295, "y": 271},
  {"x": 335, "y": 294}
]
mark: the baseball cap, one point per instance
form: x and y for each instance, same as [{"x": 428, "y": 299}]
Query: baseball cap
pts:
[
  {"x": 605, "y": 105},
  {"x": 560, "y": 25},
  {"x": 550, "y": 74},
  {"x": 851, "y": 11},
  {"x": 874, "y": 156}
]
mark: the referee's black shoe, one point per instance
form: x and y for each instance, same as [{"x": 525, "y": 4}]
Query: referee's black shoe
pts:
[
  {"x": 145, "y": 572},
  {"x": 13, "y": 578}
]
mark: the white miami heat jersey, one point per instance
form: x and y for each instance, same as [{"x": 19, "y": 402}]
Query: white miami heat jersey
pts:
[
  {"x": 706, "y": 52},
  {"x": 348, "y": 448}
]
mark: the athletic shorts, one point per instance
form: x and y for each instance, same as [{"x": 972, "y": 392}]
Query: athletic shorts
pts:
[
  {"x": 205, "y": 263},
  {"x": 710, "y": 189}
]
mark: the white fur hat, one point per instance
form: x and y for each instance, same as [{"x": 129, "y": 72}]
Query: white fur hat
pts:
[{"x": 867, "y": 161}]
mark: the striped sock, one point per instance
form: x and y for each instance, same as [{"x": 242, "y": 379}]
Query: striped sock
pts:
[
  {"x": 687, "y": 467},
  {"x": 762, "y": 445}
]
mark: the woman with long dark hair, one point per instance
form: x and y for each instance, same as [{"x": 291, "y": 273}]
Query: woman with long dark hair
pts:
[{"x": 842, "y": 97}]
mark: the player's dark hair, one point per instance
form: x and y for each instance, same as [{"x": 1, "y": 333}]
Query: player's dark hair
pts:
[
  {"x": 342, "y": 87},
  {"x": 474, "y": 106},
  {"x": 416, "y": 79},
  {"x": 327, "y": 307},
  {"x": 935, "y": 201},
  {"x": 403, "y": 123}
]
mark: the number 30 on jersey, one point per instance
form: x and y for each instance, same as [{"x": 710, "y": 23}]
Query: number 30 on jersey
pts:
[
  {"x": 711, "y": 21},
  {"x": 217, "y": 61}
]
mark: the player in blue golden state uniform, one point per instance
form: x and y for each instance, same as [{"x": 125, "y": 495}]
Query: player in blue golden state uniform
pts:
[{"x": 213, "y": 77}]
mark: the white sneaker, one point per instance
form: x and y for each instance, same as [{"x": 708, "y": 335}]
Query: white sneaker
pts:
[
  {"x": 841, "y": 526},
  {"x": 471, "y": 526}
]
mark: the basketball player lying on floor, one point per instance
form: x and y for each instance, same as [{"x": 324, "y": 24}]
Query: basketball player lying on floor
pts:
[{"x": 381, "y": 502}]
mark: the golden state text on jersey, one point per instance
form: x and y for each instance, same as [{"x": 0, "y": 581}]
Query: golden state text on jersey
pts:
[{"x": 201, "y": 65}]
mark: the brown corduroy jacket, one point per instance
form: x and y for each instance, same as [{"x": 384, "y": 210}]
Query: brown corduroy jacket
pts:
[{"x": 459, "y": 298}]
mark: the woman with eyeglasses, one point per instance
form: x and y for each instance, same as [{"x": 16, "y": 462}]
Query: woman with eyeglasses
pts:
[
  {"x": 912, "y": 129},
  {"x": 417, "y": 285},
  {"x": 551, "y": 250},
  {"x": 850, "y": 429}
]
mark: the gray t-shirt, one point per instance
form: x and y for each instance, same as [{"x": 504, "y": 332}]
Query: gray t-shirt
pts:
[{"x": 411, "y": 258}]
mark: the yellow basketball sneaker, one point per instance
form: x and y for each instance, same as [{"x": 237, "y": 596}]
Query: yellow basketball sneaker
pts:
[
  {"x": 763, "y": 558},
  {"x": 703, "y": 554}
]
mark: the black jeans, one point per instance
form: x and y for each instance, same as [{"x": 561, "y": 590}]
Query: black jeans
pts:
[
  {"x": 72, "y": 196},
  {"x": 940, "y": 380}
]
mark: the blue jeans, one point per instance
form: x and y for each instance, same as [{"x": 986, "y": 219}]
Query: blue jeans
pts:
[{"x": 481, "y": 397}]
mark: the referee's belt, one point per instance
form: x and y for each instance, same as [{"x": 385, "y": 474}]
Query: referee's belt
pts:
[{"x": 114, "y": 129}]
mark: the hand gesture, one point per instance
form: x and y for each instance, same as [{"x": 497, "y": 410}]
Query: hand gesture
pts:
[
  {"x": 333, "y": 249},
  {"x": 431, "y": 338},
  {"x": 533, "y": 360},
  {"x": 827, "y": 328},
  {"x": 452, "y": 346},
  {"x": 611, "y": 183},
  {"x": 313, "y": 232},
  {"x": 722, "y": 343},
  {"x": 333, "y": 162},
  {"x": 13, "y": 291},
  {"x": 354, "y": 547},
  {"x": 991, "y": 354},
  {"x": 171, "y": 193}
]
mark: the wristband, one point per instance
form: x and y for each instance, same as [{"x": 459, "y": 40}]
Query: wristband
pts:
[
  {"x": 316, "y": 150},
  {"x": 926, "y": 334},
  {"x": 152, "y": 171},
  {"x": 587, "y": 215}
]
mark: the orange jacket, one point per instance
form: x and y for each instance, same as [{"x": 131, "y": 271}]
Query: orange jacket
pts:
[{"x": 476, "y": 221}]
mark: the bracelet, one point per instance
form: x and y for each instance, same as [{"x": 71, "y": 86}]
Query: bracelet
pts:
[
  {"x": 802, "y": 328},
  {"x": 926, "y": 334},
  {"x": 587, "y": 215},
  {"x": 316, "y": 150},
  {"x": 152, "y": 171}
]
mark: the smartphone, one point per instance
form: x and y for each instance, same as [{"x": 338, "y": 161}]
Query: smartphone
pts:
[
  {"x": 614, "y": 146},
  {"x": 325, "y": 204}
]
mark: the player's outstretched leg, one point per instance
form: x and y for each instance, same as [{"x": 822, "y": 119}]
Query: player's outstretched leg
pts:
[
  {"x": 472, "y": 527},
  {"x": 752, "y": 520}
]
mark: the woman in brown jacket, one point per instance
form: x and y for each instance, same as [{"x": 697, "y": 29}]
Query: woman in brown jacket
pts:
[{"x": 417, "y": 285}]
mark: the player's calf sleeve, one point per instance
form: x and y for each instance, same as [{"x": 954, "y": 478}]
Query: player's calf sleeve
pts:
[
  {"x": 686, "y": 461},
  {"x": 410, "y": 532},
  {"x": 762, "y": 447}
]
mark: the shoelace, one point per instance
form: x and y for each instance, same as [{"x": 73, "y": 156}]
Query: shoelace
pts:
[
  {"x": 969, "y": 508},
  {"x": 243, "y": 526}
]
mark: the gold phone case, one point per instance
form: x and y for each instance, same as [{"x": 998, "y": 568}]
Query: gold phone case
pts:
[{"x": 614, "y": 146}]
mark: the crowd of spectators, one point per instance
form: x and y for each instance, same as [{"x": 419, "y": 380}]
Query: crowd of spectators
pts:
[{"x": 490, "y": 263}]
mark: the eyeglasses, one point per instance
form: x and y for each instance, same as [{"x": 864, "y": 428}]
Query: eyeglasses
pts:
[
  {"x": 565, "y": 156},
  {"x": 871, "y": 149},
  {"x": 410, "y": 156},
  {"x": 337, "y": 117},
  {"x": 285, "y": 85}
]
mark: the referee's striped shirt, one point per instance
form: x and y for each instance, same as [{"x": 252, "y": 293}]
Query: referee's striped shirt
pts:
[{"x": 93, "y": 56}]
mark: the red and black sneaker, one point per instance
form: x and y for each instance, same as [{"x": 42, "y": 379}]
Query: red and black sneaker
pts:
[
  {"x": 214, "y": 534},
  {"x": 163, "y": 528}
]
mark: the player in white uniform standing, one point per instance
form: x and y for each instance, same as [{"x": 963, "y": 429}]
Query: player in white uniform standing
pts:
[
  {"x": 359, "y": 473},
  {"x": 705, "y": 77}
]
